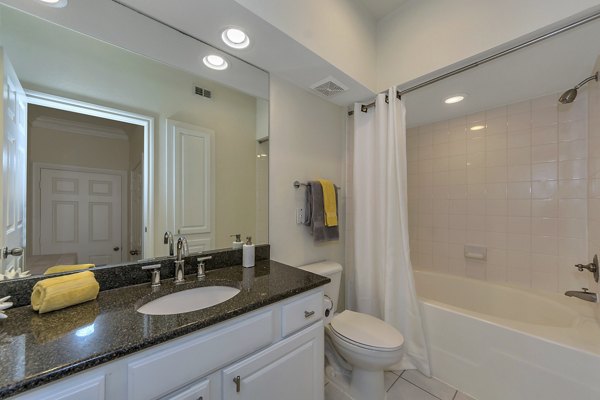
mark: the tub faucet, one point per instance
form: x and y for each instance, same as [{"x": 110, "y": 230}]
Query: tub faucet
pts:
[
  {"x": 182, "y": 251},
  {"x": 584, "y": 295},
  {"x": 168, "y": 239},
  {"x": 593, "y": 267}
]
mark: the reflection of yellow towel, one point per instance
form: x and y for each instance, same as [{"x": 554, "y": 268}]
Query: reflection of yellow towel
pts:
[
  {"x": 64, "y": 291},
  {"x": 67, "y": 268},
  {"x": 329, "y": 202},
  {"x": 51, "y": 327}
]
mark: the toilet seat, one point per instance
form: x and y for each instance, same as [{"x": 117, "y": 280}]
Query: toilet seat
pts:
[{"x": 366, "y": 331}]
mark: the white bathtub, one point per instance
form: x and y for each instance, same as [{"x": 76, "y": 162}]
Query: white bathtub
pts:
[{"x": 497, "y": 342}]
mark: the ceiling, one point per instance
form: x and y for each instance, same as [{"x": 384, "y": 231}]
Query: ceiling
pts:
[
  {"x": 154, "y": 37},
  {"x": 549, "y": 67},
  {"x": 380, "y": 8}
]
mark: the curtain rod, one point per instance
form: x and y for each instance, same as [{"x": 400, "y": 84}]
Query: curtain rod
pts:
[
  {"x": 365, "y": 107},
  {"x": 492, "y": 57}
]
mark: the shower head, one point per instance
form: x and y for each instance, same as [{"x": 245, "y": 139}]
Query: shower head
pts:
[{"x": 570, "y": 95}]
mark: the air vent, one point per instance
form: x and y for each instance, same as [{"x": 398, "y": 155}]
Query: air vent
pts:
[
  {"x": 203, "y": 92},
  {"x": 329, "y": 87}
]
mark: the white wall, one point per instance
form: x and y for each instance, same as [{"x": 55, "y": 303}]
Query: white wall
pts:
[
  {"x": 306, "y": 142},
  {"x": 426, "y": 35},
  {"x": 338, "y": 31}
]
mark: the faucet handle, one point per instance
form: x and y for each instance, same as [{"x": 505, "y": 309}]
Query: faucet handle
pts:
[
  {"x": 155, "y": 269},
  {"x": 153, "y": 266},
  {"x": 201, "y": 260},
  {"x": 585, "y": 290}
]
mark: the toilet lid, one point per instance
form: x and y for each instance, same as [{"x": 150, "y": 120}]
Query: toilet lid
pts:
[{"x": 366, "y": 330}]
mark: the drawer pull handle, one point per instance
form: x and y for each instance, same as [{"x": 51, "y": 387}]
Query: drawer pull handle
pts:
[
  {"x": 308, "y": 314},
  {"x": 237, "y": 382}
]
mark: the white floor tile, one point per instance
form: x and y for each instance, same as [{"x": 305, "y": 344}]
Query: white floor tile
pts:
[
  {"x": 332, "y": 392},
  {"x": 431, "y": 385},
  {"x": 404, "y": 390},
  {"x": 390, "y": 378},
  {"x": 462, "y": 396}
]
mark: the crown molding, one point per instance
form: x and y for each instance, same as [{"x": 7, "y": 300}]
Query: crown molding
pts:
[{"x": 80, "y": 128}]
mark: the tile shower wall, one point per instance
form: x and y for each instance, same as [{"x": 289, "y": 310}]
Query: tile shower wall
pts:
[{"x": 517, "y": 186}]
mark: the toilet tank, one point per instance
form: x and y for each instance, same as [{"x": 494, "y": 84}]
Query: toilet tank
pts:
[{"x": 333, "y": 271}]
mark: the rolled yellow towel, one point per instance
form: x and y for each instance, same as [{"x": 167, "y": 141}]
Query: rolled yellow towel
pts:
[
  {"x": 67, "y": 268},
  {"x": 64, "y": 291},
  {"x": 329, "y": 202}
]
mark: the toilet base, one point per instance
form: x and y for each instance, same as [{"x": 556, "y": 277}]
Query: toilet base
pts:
[{"x": 367, "y": 384}]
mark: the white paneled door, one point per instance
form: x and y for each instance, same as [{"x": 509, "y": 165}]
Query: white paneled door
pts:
[
  {"x": 13, "y": 136},
  {"x": 192, "y": 171},
  {"x": 80, "y": 212}
]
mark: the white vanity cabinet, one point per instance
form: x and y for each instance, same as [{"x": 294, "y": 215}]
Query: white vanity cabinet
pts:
[
  {"x": 285, "y": 370},
  {"x": 275, "y": 352}
]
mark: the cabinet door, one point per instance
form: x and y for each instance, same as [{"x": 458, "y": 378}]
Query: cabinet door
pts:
[{"x": 291, "y": 370}]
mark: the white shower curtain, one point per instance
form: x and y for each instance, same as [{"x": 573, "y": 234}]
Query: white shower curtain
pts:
[{"x": 383, "y": 282}]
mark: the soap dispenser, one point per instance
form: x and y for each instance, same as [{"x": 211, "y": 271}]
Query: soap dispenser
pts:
[
  {"x": 248, "y": 253},
  {"x": 237, "y": 243}
]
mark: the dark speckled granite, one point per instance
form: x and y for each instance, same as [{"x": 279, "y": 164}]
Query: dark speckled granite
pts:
[
  {"x": 116, "y": 276},
  {"x": 37, "y": 349}
]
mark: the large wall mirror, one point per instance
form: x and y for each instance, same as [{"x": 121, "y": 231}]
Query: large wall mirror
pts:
[{"x": 105, "y": 150}]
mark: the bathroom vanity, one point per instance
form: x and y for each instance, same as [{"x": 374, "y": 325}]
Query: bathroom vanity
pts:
[{"x": 264, "y": 343}]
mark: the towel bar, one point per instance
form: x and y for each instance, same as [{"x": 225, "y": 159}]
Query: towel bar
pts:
[{"x": 297, "y": 185}]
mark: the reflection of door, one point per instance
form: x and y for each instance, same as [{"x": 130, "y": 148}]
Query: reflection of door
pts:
[
  {"x": 135, "y": 227},
  {"x": 192, "y": 171},
  {"x": 80, "y": 212},
  {"x": 13, "y": 137}
]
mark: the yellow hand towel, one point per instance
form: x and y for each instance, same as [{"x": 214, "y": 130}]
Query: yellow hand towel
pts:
[
  {"x": 67, "y": 268},
  {"x": 64, "y": 291},
  {"x": 329, "y": 202}
]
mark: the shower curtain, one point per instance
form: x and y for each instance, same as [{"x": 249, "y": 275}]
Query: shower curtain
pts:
[{"x": 382, "y": 282}]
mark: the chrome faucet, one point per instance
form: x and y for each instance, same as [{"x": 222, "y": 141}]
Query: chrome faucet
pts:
[
  {"x": 168, "y": 239},
  {"x": 584, "y": 295},
  {"x": 182, "y": 251}
]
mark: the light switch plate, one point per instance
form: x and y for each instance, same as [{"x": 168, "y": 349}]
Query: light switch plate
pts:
[{"x": 299, "y": 216}]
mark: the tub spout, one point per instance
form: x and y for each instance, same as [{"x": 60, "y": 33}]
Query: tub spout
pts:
[{"x": 584, "y": 295}]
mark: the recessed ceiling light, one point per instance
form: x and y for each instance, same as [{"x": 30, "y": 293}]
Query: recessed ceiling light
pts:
[
  {"x": 54, "y": 3},
  {"x": 477, "y": 127},
  {"x": 455, "y": 98},
  {"x": 215, "y": 62},
  {"x": 236, "y": 38}
]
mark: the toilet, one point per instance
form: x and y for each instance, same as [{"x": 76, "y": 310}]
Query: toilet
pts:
[{"x": 368, "y": 344}]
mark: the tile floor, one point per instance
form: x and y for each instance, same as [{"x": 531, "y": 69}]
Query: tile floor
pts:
[{"x": 411, "y": 385}]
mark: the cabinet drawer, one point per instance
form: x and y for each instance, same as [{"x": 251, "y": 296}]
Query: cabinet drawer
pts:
[
  {"x": 198, "y": 391},
  {"x": 301, "y": 312},
  {"x": 74, "y": 388},
  {"x": 178, "y": 365}
]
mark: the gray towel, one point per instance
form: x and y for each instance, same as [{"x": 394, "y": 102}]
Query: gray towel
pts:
[{"x": 315, "y": 214}]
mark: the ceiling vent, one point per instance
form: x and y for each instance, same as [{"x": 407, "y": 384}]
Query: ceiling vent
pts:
[
  {"x": 203, "y": 92},
  {"x": 329, "y": 87}
]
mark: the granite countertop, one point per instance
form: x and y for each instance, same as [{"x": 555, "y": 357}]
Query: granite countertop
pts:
[{"x": 37, "y": 349}]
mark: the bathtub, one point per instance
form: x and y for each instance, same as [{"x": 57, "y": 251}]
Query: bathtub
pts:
[{"x": 497, "y": 342}]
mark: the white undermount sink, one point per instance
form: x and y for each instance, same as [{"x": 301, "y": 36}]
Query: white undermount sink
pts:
[{"x": 189, "y": 300}]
